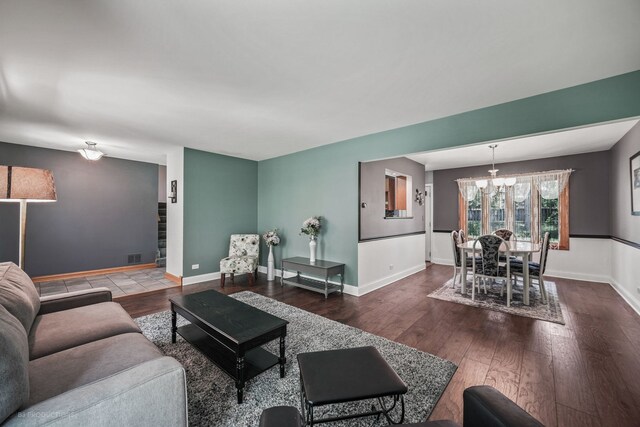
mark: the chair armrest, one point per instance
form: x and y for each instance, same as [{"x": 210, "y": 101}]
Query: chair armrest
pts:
[
  {"x": 53, "y": 303},
  {"x": 153, "y": 393},
  {"x": 485, "y": 406}
]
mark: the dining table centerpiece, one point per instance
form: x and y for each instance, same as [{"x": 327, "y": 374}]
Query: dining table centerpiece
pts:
[
  {"x": 311, "y": 227},
  {"x": 272, "y": 239}
]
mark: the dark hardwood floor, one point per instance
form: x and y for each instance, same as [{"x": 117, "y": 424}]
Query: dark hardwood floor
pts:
[{"x": 586, "y": 373}]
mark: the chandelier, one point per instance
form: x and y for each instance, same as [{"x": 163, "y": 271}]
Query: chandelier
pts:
[{"x": 495, "y": 182}]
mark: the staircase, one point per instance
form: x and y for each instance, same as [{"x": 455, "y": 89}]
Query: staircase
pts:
[{"x": 161, "y": 257}]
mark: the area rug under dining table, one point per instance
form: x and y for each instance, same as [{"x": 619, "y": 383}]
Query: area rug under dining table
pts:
[
  {"x": 212, "y": 394},
  {"x": 492, "y": 300}
]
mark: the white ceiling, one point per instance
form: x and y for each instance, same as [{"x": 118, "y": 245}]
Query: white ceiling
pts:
[
  {"x": 258, "y": 79},
  {"x": 574, "y": 141}
]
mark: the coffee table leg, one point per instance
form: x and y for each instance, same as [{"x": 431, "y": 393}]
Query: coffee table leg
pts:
[
  {"x": 240, "y": 377},
  {"x": 283, "y": 359},
  {"x": 174, "y": 328}
]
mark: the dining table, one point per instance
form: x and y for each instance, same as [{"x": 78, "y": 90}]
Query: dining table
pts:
[{"x": 516, "y": 248}]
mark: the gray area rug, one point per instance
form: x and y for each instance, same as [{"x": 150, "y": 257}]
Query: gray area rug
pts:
[
  {"x": 212, "y": 394},
  {"x": 551, "y": 312}
]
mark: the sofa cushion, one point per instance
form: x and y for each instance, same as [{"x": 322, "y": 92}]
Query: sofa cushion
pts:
[
  {"x": 57, "y": 373},
  {"x": 18, "y": 294},
  {"x": 14, "y": 386},
  {"x": 61, "y": 330}
]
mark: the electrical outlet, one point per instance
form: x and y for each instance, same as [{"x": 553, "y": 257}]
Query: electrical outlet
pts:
[
  {"x": 390, "y": 266},
  {"x": 195, "y": 266}
]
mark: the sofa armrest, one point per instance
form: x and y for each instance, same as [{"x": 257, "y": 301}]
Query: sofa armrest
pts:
[
  {"x": 53, "y": 303},
  {"x": 153, "y": 393},
  {"x": 485, "y": 406}
]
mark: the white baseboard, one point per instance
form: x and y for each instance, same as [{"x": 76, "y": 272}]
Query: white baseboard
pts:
[
  {"x": 377, "y": 284},
  {"x": 442, "y": 261},
  {"x": 633, "y": 302},
  {"x": 578, "y": 276},
  {"x": 192, "y": 280}
]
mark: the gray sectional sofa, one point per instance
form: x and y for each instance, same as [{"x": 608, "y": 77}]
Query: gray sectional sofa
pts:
[{"x": 78, "y": 359}]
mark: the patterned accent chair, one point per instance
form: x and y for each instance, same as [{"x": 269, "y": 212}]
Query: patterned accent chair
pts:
[
  {"x": 490, "y": 266},
  {"x": 244, "y": 251},
  {"x": 536, "y": 269}
]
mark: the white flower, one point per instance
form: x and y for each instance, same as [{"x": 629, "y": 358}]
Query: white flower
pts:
[{"x": 271, "y": 237}]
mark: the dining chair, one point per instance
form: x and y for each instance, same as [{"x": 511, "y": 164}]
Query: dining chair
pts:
[
  {"x": 536, "y": 269},
  {"x": 504, "y": 233},
  {"x": 507, "y": 235},
  {"x": 462, "y": 236},
  {"x": 490, "y": 266},
  {"x": 457, "y": 257}
]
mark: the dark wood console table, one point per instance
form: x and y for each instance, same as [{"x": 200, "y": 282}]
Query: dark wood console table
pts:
[{"x": 320, "y": 268}]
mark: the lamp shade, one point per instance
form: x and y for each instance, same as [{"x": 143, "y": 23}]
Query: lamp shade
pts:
[
  {"x": 482, "y": 184},
  {"x": 91, "y": 152},
  {"x": 30, "y": 184}
]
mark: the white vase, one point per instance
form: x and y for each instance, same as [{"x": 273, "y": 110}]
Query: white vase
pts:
[
  {"x": 313, "y": 245},
  {"x": 271, "y": 270}
]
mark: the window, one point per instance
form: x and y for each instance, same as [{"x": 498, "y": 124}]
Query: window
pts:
[
  {"x": 522, "y": 210},
  {"x": 474, "y": 216},
  {"x": 497, "y": 211},
  {"x": 531, "y": 207}
]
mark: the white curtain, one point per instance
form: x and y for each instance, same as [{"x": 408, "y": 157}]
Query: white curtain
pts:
[
  {"x": 548, "y": 184},
  {"x": 468, "y": 189},
  {"x": 551, "y": 184},
  {"x": 521, "y": 188}
]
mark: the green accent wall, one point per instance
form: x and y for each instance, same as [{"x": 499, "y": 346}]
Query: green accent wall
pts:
[
  {"x": 220, "y": 199},
  {"x": 324, "y": 180}
]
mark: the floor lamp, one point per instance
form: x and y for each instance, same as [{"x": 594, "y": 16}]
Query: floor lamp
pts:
[{"x": 25, "y": 185}]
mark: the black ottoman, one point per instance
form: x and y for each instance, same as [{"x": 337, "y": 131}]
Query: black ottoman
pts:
[{"x": 348, "y": 375}]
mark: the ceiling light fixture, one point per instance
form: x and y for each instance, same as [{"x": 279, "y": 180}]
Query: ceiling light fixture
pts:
[
  {"x": 496, "y": 182},
  {"x": 91, "y": 152}
]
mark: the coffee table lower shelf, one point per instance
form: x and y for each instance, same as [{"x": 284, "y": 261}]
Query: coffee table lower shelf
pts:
[
  {"x": 256, "y": 360},
  {"x": 312, "y": 285}
]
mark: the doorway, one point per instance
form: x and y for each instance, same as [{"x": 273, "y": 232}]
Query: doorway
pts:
[{"x": 428, "y": 213}]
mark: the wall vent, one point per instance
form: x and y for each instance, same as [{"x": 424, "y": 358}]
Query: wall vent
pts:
[{"x": 134, "y": 259}]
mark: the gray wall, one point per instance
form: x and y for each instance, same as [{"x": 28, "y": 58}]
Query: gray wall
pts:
[
  {"x": 162, "y": 183},
  {"x": 623, "y": 224},
  {"x": 588, "y": 190},
  {"x": 105, "y": 211},
  {"x": 428, "y": 177},
  {"x": 372, "y": 222}
]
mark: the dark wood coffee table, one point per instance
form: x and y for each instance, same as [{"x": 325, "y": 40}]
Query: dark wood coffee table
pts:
[{"x": 230, "y": 333}]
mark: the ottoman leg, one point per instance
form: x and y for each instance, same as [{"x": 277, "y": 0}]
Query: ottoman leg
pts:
[
  {"x": 306, "y": 408},
  {"x": 386, "y": 411}
]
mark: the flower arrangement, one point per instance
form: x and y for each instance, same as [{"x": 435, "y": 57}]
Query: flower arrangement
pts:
[
  {"x": 311, "y": 227},
  {"x": 271, "y": 237}
]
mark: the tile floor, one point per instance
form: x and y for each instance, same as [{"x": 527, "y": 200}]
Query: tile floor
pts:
[{"x": 120, "y": 284}]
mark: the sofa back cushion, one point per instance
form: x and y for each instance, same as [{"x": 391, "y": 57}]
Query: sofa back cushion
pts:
[
  {"x": 14, "y": 365},
  {"x": 18, "y": 294}
]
